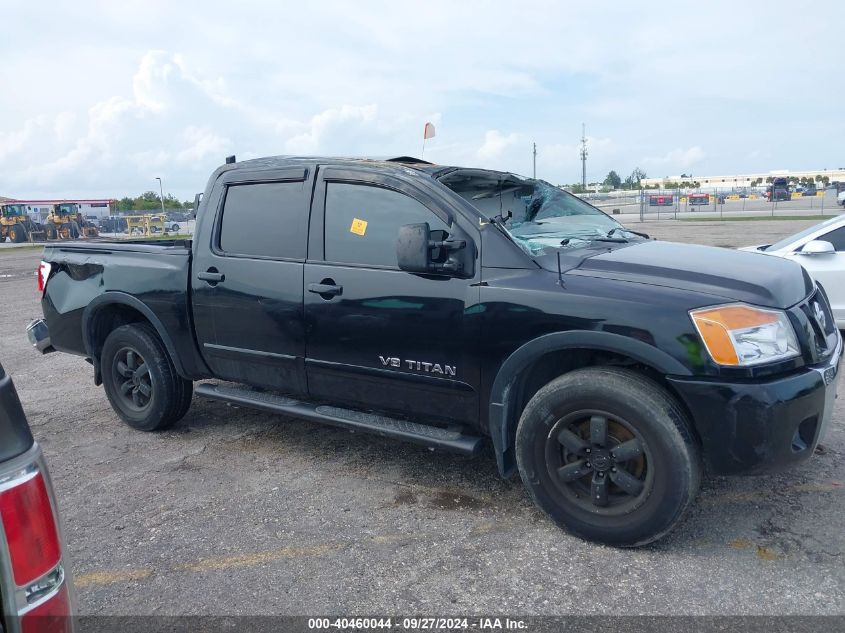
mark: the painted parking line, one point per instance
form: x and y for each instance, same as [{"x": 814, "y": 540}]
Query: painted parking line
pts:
[
  {"x": 111, "y": 577},
  {"x": 256, "y": 558},
  {"x": 251, "y": 559}
]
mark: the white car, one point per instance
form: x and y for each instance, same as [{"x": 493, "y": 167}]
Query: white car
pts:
[
  {"x": 841, "y": 198},
  {"x": 821, "y": 250}
]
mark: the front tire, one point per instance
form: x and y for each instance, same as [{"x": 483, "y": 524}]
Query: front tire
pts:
[
  {"x": 609, "y": 455},
  {"x": 140, "y": 380},
  {"x": 18, "y": 234}
]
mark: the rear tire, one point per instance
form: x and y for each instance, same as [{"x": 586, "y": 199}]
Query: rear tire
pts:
[
  {"x": 609, "y": 455},
  {"x": 140, "y": 380},
  {"x": 52, "y": 233}
]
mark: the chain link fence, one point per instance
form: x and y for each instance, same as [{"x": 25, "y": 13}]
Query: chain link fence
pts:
[{"x": 664, "y": 204}]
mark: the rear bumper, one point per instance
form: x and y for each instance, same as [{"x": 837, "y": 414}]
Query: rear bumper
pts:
[
  {"x": 749, "y": 428},
  {"x": 39, "y": 335}
]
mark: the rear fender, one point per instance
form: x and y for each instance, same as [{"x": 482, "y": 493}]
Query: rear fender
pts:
[{"x": 111, "y": 299}]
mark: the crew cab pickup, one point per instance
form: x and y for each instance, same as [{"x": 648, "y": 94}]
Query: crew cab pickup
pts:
[
  {"x": 449, "y": 306},
  {"x": 34, "y": 590}
]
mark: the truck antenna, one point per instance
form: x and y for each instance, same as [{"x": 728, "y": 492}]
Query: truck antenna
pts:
[{"x": 559, "y": 272}]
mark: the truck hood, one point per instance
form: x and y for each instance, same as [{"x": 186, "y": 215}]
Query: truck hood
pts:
[{"x": 734, "y": 275}]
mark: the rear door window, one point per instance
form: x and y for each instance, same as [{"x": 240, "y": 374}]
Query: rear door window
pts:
[{"x": 265, "y": 220}]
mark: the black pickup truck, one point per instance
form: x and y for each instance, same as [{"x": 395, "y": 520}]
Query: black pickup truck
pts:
[
  {"x": 446, "y": 306},
  {"x": 34, "y": 587}
]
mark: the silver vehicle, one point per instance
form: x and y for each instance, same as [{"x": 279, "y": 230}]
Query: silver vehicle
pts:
[
  {"x": 35, "y": 593},
  {"x": 821, "y": 250}
]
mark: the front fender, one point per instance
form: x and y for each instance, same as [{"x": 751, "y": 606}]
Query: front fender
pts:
[{"x": 503, "y": 416}]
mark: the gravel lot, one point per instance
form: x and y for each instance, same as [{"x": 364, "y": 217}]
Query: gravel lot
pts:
[{"x": 241, "y": 512}]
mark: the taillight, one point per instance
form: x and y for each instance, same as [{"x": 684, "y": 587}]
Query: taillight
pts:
[
  {"x": 40, "y": 598},
  {"x": 31, "y": 533},
  {"x": 43, "y": 275},
  {"x": 52, "y": 616}
]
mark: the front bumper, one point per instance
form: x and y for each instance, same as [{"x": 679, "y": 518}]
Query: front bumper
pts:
[{"x": 754, "y": 427}]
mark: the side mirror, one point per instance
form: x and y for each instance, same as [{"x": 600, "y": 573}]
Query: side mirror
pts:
[
  {"x": 818, "y": 247},
  {"x": 412, "y": 253},
  {"x": 417, "y": 252},
  {"x": 197, "y": 200}
]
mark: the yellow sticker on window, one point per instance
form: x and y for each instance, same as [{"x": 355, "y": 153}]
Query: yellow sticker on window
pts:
[{"x": 359, "y": 227}]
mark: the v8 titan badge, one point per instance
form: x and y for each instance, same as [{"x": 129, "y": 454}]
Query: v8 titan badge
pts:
[{"x": 359, "y": 227}]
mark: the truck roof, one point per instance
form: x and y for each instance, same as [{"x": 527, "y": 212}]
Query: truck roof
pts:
[{"x": 396, "y": 163}]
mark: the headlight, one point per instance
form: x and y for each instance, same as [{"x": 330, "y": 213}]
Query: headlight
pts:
[{"x": 741, "y": 335}]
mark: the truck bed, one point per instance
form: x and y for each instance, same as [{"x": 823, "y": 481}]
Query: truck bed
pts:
[
  {"x": 114, "y": 244},
  {"x": 93, "y": 275}
]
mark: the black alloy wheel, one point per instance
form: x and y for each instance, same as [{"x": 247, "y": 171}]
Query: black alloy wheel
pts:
[
  {"x": 140, "y": 380},
  {"x": 609, "y": 454},
  {"x": 133, "y": 375},
  {"x": 599, "y": 462}
]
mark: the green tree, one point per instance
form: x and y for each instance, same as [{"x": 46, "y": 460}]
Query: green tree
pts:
[
  {"x": 613, "y": 180},
  {"x": 125, "y": 204},
  {"x": 633, "y": 181}
]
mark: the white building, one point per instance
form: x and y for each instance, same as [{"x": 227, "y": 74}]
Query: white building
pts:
[{"x": 744, "y": 180}]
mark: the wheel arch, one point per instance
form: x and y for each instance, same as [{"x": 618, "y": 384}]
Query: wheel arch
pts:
[
  {"x": 111, "y": 310},
  {"x": 544, "y": 358}
]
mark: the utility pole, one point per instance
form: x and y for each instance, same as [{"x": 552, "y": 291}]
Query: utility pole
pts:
[
  {"x": 583, "y": 156},
  {"x": 161, "y": 189},
  {"x": 535, "y": 161}
]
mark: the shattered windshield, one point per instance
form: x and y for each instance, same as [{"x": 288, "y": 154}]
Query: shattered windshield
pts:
[{"x": 537, "y": 215}]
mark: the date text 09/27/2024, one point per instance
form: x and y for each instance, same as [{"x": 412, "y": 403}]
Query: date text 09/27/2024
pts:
[{"x": 417, "y": 623}]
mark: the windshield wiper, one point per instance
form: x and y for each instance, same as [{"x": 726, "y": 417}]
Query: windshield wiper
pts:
[
  {"x": 617, "y": 240},
  {"x": 622, "y": 228}
]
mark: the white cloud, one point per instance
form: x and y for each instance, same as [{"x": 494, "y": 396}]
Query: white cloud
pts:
[
  {"x": 496, "y": 144},
  {"x": 11, "y": 143},
  {"x": 131, "y": 96},
  {"x": 344, "y": 121},
  {"x": 677, "y": 158},
  {"x": 203, "y": 144}
]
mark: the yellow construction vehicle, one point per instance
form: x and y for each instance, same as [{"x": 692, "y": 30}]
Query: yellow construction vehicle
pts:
[
  {"x": 146, "y": 225},
  {"x": 65, "y": 222},
  {"x": 17, "y": 225}
]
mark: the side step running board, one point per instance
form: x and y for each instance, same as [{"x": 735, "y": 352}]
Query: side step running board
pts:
[{"x": 431, "y": 436}]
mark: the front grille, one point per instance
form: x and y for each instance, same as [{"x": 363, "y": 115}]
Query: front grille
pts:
[{"x": 820, "y": 324}]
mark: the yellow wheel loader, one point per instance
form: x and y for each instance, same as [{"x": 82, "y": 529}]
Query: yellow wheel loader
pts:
[
  {"x": 66, "y": 222},
  {"x": 17, "y": 226}
]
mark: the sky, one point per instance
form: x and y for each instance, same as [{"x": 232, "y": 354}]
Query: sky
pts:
[{"x": 100, "y": 98}]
